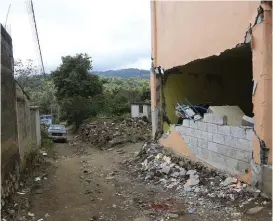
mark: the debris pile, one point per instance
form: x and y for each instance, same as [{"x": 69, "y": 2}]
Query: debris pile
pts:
[
  {"x": 159, "y": 165},
  {"x": 107, "y": 133}
]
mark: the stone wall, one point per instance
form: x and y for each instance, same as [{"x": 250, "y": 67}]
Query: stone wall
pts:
[
  {"x": 10, "y": 158},
  {"x": 225, "y": 147}
]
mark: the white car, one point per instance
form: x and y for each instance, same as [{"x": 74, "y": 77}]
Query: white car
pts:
[{"x": 57, "y": 132}]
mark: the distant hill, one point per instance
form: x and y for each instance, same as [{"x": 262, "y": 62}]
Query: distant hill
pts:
[{"x": 125, "y": 73}]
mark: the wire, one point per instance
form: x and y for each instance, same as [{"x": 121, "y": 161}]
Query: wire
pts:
[
  {"x": 7, "y": 16},
  {"x": 31, "y": 11}
]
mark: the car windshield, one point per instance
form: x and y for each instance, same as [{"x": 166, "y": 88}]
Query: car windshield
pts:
[{"x": 57, "y": 127}]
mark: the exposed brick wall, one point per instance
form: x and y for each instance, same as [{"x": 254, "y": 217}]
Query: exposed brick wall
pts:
[{"x": 225, "y": 147}]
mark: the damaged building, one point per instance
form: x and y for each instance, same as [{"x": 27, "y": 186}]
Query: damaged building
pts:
[{"x": 211, "y": 84}]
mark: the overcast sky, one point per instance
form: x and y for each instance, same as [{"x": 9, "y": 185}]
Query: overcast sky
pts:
[{"x": 115, "y": 33}]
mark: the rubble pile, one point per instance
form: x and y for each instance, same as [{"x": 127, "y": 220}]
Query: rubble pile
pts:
[
  {"x": 107, "y": 133},
  {"x": 159, "y": 165}
]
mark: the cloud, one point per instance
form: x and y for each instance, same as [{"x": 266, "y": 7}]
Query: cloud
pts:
[{"x": 115, "y": 34}]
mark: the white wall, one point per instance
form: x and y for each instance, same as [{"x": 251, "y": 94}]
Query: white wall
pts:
[
  {"x": 146, "y": 111},
  {"x": 134, "y": 111}
]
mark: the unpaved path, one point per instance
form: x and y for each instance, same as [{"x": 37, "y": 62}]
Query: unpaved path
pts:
[
  {"x": 85, "y": 184},
  {"x": 95, "y": 186}
]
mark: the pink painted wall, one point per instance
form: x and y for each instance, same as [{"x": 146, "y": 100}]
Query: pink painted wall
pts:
[{"x": 186, "y": 31}]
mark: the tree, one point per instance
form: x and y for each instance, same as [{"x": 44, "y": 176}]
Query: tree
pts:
[
  {"x": 76, "y": 88},
  {"x": 40, "y": 88}
]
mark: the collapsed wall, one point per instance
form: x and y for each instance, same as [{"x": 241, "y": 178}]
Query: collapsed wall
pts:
[{"x": 225, "y": 147}]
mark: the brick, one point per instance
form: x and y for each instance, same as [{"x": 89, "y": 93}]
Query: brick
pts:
[
  {"x": 209, "y": 136},
  {"x": 192, "y": 141},
  {"x": 203, "y": 154},
  {"x": 231, "y": 141},
  {"x": 238, "y": 132},
  {"x": 186, "y": 139},
  {"x": 208, "y": 118},
  {"x": 202, "y": 143},
  {"x": 218, "y": 138},
  {"x": 213, "y": 146},
  {"x": 223, "y": 129},
  {"x": 247, "y": 121},
  {"x": 193, "y": 149},
  {"x": 193, "y": 124},
  {"x": 242, "y": 166},
  {"x": 212, "y": 128},
  {"x": 202, "y": 126},
  {"x": 198, "y": 134},
  {"x": 186, "y": 123},
  {"x": 214, "y": 119},
  {"x": 245, "y": 144},
  {"x": 249, "y": 134}
]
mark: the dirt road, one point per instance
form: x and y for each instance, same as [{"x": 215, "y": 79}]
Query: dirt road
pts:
[
  {"x": 94, "y": 186},
  {"x": 89, "y": 184}
]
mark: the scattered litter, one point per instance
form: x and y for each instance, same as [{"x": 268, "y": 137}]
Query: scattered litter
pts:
[
  {"x": 30, "y": 214},
  {"x": 37, "y": 179},
  {"x": 192, "y": 210}
]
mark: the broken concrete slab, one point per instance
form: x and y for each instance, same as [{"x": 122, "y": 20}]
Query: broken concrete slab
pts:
[
  {"x": 166, "y": 169},
  {"x": 234, "y": 114},
  {"x": 247, "y": 121}
]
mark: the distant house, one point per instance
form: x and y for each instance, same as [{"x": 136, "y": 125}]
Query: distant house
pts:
[{"x": 140, "y": 110}]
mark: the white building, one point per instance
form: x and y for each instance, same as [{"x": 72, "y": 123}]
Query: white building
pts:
[{"x": 140, "y": 110}]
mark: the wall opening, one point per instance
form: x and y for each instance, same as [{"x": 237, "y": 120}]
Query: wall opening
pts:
[
  {"x": 217, "y": 81},
  {"x": 141, "y": 109}
]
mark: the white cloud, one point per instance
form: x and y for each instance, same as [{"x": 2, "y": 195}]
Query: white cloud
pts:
[{"x": 115, "y": 34}]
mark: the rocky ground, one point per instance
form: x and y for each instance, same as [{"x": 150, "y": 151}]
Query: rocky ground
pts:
[{"x": 134, "y": 182}]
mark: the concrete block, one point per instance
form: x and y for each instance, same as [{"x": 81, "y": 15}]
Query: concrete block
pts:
[
  {"x": 214, "y": 119},
  {"x": 191, "y": 132},
  {"x": 193, "y": 124},
  {"x": 238, "y": 132},
  {"x": 198, "y": 134},
  {"x": 248, "y": 121},
  {"x": 245, "y": 144},
  {"x": 249, "y": 134},
  {"x": 231, "y": 141},
  {"x": 194, "y": 149},
  {"x": 202, "y": 126},
  {"x": 186, "y": 139},
  {"x": 192, "y": 141},
  {"x": 204, "y": 135},
  {"x": 218, "y": 138},
  {"x": 202, "y": 143},
  {"x": 209, "y": 136},
  {"x": 203, "y": 154},
  {"x": 213, "y": 146},
  {"x": 186, "y": 123},
  {"x": 223, "y": 129},
  {"x": 242, "y": 166},
  {"x": 212, "y": 128}
]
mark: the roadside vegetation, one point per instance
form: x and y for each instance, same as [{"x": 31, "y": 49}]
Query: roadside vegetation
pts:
[{"x": 73, "y": 92}]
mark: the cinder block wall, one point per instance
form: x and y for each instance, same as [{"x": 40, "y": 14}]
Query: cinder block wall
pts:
[
  {"x": 225, "y": 147},
  {"x": 10, "y": 158}
]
